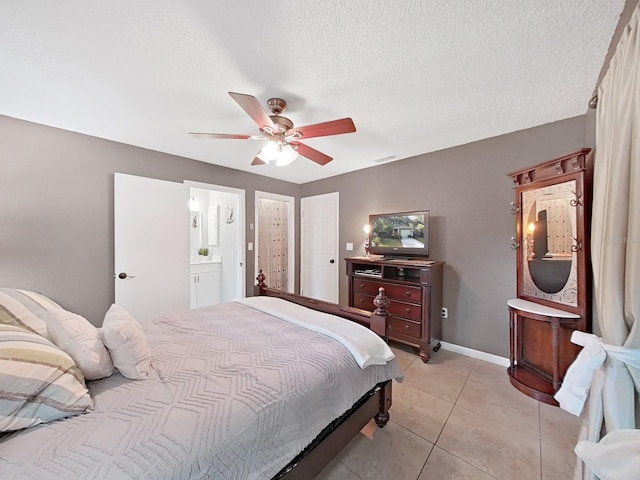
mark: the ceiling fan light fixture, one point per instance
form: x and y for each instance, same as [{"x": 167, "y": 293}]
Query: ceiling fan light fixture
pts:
[
  {"x": 286, "y": 155},
  {"x": 282, "y": 155},
  {"x": 269, "y": 152}
]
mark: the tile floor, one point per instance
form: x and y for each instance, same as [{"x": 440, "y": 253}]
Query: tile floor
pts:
[{"x": 460, "y": 418}]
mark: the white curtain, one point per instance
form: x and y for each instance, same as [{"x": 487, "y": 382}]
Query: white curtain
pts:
[
  {"x": 273, "y": 244},
  {"x": 615, "y": 248}
]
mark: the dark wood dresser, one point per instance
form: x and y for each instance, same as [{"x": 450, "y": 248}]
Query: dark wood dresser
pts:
[{"x": 414, "y": 288}]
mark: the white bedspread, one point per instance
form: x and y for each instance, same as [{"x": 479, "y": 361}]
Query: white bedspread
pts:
[
  {"x": 233, "y": 393},
  {"x": 366, "y": 347}
]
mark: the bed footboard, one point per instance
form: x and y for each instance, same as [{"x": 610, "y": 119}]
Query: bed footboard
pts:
[{"x": 376, "y": 321}]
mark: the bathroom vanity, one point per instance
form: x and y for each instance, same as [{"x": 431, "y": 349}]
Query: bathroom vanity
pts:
[{"x": 205, "y": 282}]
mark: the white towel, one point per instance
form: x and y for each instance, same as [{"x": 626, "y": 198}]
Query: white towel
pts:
[
  {"x": 366, "y": 347},
  {"x": 575, "y": 387}
]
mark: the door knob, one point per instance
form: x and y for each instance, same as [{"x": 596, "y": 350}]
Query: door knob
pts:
[
  {"x": 332, "y": 261},
  {"x": 123, "y": 275}
]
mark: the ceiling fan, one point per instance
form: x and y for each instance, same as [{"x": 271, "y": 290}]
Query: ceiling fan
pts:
[{"x": 283, "y": 138}]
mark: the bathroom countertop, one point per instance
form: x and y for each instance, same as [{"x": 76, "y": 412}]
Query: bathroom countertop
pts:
[{"x": 212, "y": 259}]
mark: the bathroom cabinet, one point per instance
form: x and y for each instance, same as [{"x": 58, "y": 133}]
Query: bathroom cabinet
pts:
[{"x": 205, "y": 284}]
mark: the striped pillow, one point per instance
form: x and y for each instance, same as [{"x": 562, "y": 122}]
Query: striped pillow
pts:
[
  {"x": 39, "y": 382},
  {"x": 26, "y": 309},
  {"x": 68, "y": 331}
]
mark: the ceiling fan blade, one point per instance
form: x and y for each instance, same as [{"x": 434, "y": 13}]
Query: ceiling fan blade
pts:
[
  {"x": 334, "y": 127},
  {"x": 258, "y": 161},
  {"x": 219, "y": 135},
  {"x": 312, "y": 154},
  {"x": 251, "y": 105}
]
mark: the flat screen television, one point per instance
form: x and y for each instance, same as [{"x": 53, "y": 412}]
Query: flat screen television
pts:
[{"x": 404, "y": 234}]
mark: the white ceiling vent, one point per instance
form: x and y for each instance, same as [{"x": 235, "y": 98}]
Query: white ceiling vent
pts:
[{"x": 388, "y": 158}]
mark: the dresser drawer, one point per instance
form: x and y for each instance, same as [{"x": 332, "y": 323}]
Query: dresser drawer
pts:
[
  {"x": 404, "y": 327},
  {"x": 394, "y": 292},
  {"x": 406, "y": 310},
  {"x": 404, "y": 293},
  {"x": 364, "y": 302},
  {"x": 366, "y": 287}
]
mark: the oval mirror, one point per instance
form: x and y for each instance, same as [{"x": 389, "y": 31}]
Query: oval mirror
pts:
[
  {"x": 548, "y": 231},
  {"x": 549, "y": 242}
]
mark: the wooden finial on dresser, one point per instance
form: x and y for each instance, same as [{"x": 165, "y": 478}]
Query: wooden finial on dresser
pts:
[
  {"x": 257, "y": 290},
  {"x": 260, "y": 278}
]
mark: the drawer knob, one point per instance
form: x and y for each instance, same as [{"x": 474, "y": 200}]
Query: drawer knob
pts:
[
  {"x": 408, "y": 310},
  {"x": 362, "y": 285},
  {"x": 408, "y": 293},
  {"x": 406, "y": 327},
  {"x": 362, "y": 300}
]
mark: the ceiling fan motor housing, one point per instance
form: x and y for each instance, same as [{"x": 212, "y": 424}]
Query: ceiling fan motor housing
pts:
[{"x": 282, "y": 123}]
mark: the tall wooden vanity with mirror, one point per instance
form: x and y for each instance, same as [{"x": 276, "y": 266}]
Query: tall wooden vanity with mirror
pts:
[{"x": 552, "y": 208}]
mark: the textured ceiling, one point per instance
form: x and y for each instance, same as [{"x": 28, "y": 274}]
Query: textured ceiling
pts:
[{"x": 415, "y": 76}]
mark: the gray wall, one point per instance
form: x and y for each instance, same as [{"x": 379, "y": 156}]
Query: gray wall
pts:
[
  {"x": 56, "y": 214},
  {"x": 56, "y": 209},
  {"x": 468, "y": 192}
]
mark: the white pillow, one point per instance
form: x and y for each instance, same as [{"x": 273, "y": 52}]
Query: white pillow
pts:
[
  {"x": 81, "y": 341},
  {"x": 127, "y": 343}
]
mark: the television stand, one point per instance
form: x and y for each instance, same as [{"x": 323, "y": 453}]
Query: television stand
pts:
[{"x": 414, "y": 288}]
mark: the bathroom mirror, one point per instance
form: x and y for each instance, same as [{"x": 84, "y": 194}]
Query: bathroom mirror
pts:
[{"x": 549, "y": 243}]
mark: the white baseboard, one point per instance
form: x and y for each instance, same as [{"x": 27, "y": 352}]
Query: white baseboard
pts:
[{"x": 470, "y": 352}]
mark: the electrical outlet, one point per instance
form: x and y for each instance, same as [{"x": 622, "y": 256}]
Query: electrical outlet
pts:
[{"x": 445, "y": 312}]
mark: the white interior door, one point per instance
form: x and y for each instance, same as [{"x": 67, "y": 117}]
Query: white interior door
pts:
[
  {"x": 319, "y": 246},
  {"x": 151, "y": 227}
]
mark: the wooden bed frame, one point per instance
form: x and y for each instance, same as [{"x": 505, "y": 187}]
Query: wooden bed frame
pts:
[{"x": 374, "y": 405}]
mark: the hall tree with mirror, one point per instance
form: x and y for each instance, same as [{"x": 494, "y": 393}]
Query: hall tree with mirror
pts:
[{"x": 552, "y": 209}]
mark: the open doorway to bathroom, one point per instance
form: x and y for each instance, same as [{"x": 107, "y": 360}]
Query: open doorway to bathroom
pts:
[{"x": 216, "y": 243}]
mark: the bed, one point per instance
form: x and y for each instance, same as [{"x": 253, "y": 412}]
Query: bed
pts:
[{"x": 233, "y": 392}]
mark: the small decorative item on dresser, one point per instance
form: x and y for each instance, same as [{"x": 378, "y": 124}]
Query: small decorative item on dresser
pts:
[{"x": 367, "y": 230}]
